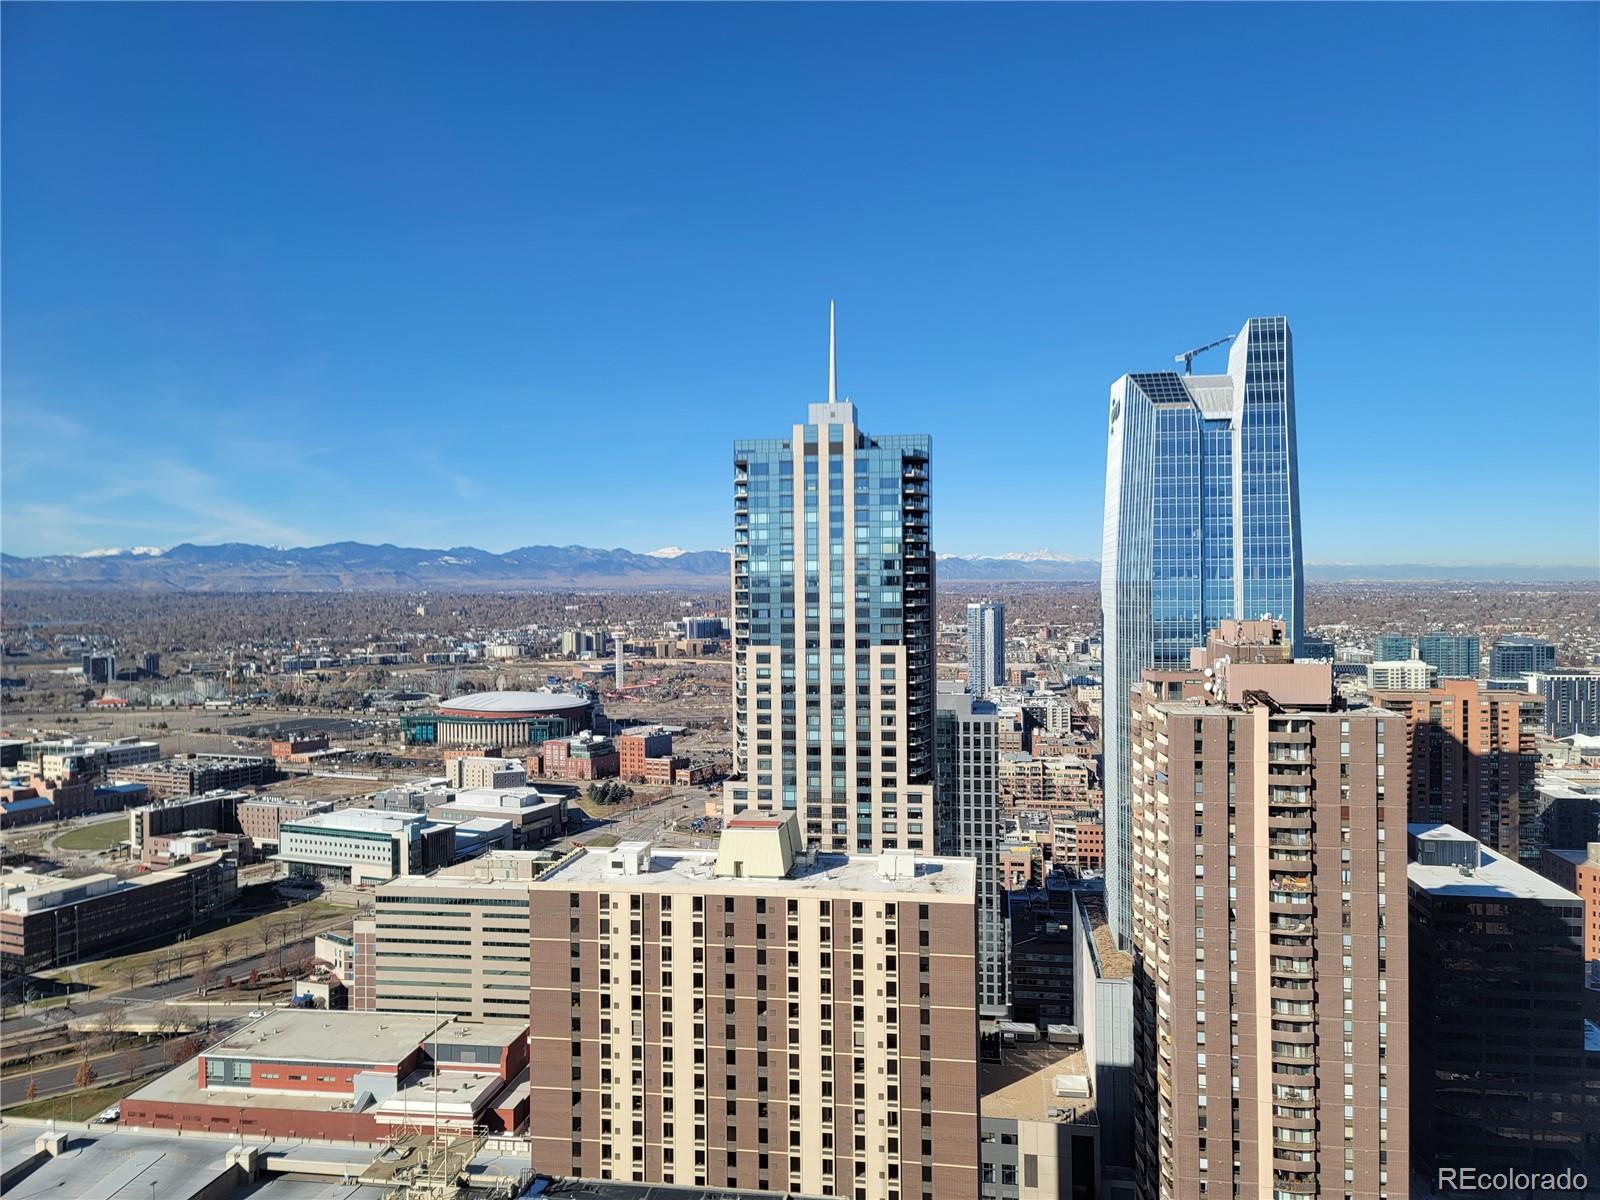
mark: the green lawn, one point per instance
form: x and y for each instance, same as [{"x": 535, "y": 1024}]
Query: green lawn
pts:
[
  {"x": 79, "y": 1106},
  {"x": 102, "y": 835}
]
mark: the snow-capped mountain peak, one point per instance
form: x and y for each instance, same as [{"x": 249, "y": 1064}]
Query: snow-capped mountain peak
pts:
[
  {"x": 666, "y": 552},
  {"x": 117, "y": 552}
]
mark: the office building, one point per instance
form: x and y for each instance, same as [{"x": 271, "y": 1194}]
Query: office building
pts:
[
  {"x": 151, "y": 664},
  {"x": 1453, "y": 655},
  {"x": 1497, "y": 992},
  {"x": 703, "y": 629},
  {"x": 1394, "y": 647},
  {"x": 1474, "y": 757},
  {"x": 89, "y": 759},
  {"x": 1271, "y": 1000},
  {"x": 1571, "y": 701},
  {"x": 51, "y": 920},
  {"x": 1578, "y": 871},
  {"x": 259, "y": 818},
  {"x": 986, "y": 647},
  {"x": 149, "y": 823},
  {"x": 363, "y": 845},
  {"x": 635, "y": 747},
  {"x": 968, "y": 823},
  {"x": 354, "y": 1077},
  {"x": 1512, "y": 657},
  {"x": 534, "y": 816},
  {"x": 457, "y": 939},
  {"x": 197, "y": 774},
  {"x": 1202, "y": 524},
  {"x": 1401, "y": 675},
  {"x": 475, "y": 771},
  {"x": 583, "y": 756},
  {"x": 763, "y": 1018},
  {"x": 833, "y": 632}
]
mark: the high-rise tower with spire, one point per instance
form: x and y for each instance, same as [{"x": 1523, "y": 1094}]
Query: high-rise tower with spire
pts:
[{"x": 833, "y": 629}]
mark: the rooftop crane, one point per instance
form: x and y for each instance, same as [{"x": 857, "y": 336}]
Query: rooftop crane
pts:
[{"x": 1188, "y": 356}]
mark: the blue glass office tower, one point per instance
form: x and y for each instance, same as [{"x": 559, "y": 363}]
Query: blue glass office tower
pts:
[
  {"x": 1202, "y": 523},
  {"x": 833, "y": 631},
  {"x": 1513, "y": 656}
]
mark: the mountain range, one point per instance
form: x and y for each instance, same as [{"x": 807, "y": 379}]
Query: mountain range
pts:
[{"x": 356, "y": 566}]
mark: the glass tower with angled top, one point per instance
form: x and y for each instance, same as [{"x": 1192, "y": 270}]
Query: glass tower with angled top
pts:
[
  {"x": 1202, "y": 523},
  {"x": 833, "y": 631}
]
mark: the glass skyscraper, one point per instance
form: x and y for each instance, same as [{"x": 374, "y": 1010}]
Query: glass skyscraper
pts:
[
  {"x": 986, "y": 647},
  {"x": 1512, "y": 656},
  {"x": 1453, "y": 655},
  {"x": 833, "y": 632},
  {"x": 1202, "y": 523},
  {"x": 1393, "y": 647}
]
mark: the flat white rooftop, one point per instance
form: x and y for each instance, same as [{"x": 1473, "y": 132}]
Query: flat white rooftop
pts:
[
  {"x": 358, "y": 820},
  {"x": 312, "y": 1035},
  {"x": 691, "y": 870},
  {"x": 1494, "y": 877}
]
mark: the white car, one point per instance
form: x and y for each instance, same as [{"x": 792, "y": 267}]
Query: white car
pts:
[{"x": 255, "y": 1014}]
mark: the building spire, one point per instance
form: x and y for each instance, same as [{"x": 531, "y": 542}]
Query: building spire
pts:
[{"x": 833, "y": 360}]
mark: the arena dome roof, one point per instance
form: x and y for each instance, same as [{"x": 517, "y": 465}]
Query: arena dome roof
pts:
[{"x": 512, "y": 704}]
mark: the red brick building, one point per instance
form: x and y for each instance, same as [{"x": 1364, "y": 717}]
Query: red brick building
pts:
[
  {"x": 293, "y": 1074},
  {"x": 638, "y": 746}
]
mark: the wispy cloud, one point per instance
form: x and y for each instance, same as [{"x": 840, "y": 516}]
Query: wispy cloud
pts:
[{"x": 163, "y": 501}]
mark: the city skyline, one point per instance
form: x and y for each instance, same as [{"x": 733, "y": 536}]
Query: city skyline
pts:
[{"x": 322, "y": 361}]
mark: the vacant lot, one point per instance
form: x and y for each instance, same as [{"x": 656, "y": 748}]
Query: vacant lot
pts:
[{"x": 102, "y": 835}]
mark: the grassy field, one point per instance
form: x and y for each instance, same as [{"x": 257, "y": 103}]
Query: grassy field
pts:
[
  {"x": 240, "y": 938},
  {"x": 102, "y": 835},
  {"x": 79, "y": 1106}
]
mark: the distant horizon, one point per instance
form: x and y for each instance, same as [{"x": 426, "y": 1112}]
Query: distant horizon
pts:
[{"x": 1037, "y": 554}]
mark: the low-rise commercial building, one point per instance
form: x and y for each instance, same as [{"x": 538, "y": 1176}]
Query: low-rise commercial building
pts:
[
  {"x": 347, "y": 1076},
  {"x": 583, "y": 756},
  {"x": 761, "y": 1018},
  {"x": 50, "y": 921},
  {"x": 363, "y": 846},
  {"x": 197, "y": 774},
  {"x": 294, "y": 747},
  {"x": 30, "y": 799},
  {"x": 87, "y": 758},
  {"x": 474, "y": 771},
  {"x": 536, "y": 815}
]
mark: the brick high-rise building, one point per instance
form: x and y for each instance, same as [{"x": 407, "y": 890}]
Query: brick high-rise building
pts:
[
  {"x": 1473, "y": 757},
  {"x": 757, "y": 1018},
  {"x": 1269, "y": 931},
  {"x": 833, "y": 631}
]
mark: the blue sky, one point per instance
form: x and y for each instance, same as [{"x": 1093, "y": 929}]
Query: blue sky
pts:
[{"x": 502, "y": 275}]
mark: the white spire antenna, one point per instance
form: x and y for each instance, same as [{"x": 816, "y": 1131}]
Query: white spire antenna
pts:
[{"x": 833, "y": 360}]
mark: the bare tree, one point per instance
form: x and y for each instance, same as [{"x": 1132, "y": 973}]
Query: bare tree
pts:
[
  {"x": 108, "y": 1025},
  {"x": 226, "y": 945},
  {"x": 33, "y": 1089},
  {"x": 132, "y": 1064},
  {"x": 204, "y": 979}
]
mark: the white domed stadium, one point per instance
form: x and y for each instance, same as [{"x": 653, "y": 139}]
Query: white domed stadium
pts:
[{"x": 501, "y": 720}]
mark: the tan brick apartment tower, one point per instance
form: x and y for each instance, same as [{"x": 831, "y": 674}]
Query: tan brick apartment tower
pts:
[
  {"x": 758, "y": 1018},
  {"x": 1473, "y": 755},
  {"x": 1270, "y": 931}
]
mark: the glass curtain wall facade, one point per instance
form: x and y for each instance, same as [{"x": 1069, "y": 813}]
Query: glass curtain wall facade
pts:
[
  {"x": 1202, "y": 523},
  {"x": 833, "y": 633},
  {"x": 1453, "y": 655},
  {"x": 1393, "y": 647},
  {"x": 986, "y": 647}
]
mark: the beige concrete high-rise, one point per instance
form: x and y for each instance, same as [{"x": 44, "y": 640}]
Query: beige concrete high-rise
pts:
[
  {"x": 1270, "y": 931},
  {"x": 833, "y": 631},
  {"x": 757, "y": 1018}
]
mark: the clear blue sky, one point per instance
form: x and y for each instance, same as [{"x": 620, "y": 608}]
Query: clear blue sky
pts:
[{"x": 506, "y": 274}]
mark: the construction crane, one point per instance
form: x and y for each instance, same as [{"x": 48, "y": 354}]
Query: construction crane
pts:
[{"x": 1188, "y": 356}]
